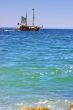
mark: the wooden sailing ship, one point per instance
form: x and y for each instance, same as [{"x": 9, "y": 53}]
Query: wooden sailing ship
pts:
[{"x": 24, "y": 27}]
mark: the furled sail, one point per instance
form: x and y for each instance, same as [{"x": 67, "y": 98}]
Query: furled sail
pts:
[{"x": 23, "y": 21}]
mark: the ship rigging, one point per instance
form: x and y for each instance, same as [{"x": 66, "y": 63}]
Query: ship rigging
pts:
[{"x": 23, "y": 26}]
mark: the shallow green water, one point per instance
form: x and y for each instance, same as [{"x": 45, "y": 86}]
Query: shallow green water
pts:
[{"x": 36, "y": 69}]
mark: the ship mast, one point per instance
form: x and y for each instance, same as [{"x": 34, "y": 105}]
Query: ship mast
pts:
[
  {"x": 26, "y": 18},
  {"x": 33, "y": 17}
]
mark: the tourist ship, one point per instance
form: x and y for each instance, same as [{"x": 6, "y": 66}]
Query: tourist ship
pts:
[{"x": 23, "y": 26}]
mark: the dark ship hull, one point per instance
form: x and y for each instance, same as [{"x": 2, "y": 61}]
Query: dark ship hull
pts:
[{"x": 28, "y": 28}]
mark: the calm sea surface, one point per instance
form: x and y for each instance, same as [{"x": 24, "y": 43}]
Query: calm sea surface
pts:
[{"x": 36, "y": 69}]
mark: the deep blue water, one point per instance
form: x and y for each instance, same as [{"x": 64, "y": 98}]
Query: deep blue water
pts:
[{"x": 36, "y": 69}]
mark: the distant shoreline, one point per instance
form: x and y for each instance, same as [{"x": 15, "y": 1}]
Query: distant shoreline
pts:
[{"x": 41, "y": 29}]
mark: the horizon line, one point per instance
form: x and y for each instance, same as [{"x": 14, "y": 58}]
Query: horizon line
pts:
[{"x": 43, "y": 28}]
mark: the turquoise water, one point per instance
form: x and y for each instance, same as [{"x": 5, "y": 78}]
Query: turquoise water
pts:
[{"x": 36, "y": 69}]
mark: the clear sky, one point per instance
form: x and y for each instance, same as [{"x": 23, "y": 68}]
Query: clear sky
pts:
[{"x": 49, "y": 13}]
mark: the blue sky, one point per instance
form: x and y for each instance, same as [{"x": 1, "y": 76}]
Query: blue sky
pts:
[{"x": 49, "y": 13}]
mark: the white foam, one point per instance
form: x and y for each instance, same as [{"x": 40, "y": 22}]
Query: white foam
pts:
[
  {"x": 19, "y": 104},
  {"x": 42, "y": 102}
]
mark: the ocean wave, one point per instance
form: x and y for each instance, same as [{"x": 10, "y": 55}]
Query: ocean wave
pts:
[{"x": 51, "y": 104}]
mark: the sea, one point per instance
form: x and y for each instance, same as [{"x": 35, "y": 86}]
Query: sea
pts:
[{"x": 36, "y": 69}]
